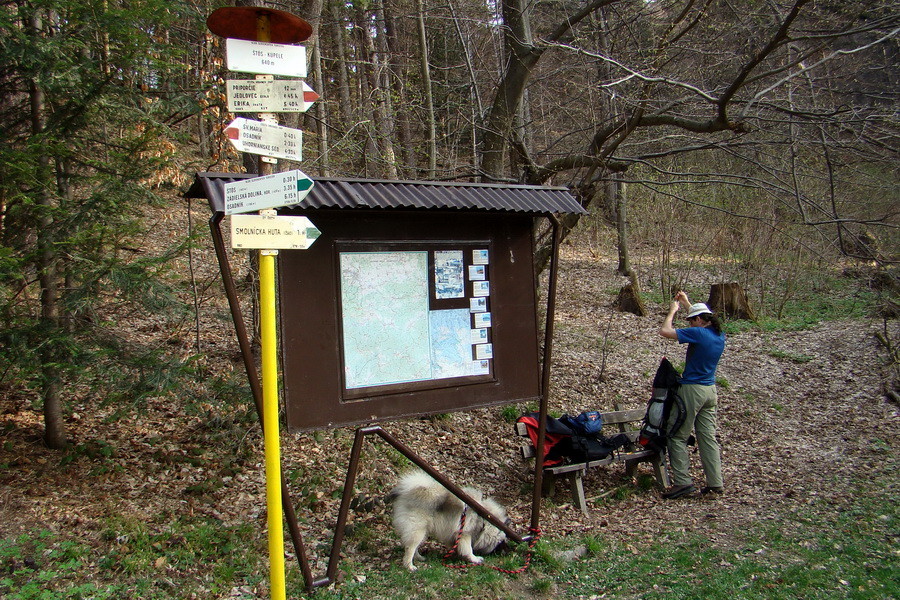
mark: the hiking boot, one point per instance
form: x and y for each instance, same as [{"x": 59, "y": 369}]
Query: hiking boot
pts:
[
  {"x": 679, "y": 491},
  {"x": 712, "y": 490}
]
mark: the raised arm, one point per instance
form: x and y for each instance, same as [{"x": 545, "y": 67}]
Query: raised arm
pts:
[{"x": 668, "y": 330}]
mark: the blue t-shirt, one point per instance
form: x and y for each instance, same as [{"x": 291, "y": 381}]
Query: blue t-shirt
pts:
[{"x": 704, "y": 350}]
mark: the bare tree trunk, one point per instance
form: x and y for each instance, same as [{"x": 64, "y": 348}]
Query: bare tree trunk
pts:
[
  {"x": 399, "y": 74},
  {"x": 521, "y": 56},
  {"x": 477, "y": 107},
  {"x": 384, "y": 114},
  {"x": 366, "y": 79},
  {"x": 473, "y": 139},
  {"x": 54, "y": 427},
  {"x": 617, "y": 188},
  {"x": 320, "y": 112},
  {"x": 610, "y": 114},
  {"x": 470, "y": 61},
  {"x": 519, "y": 135},
  {"x": 64, "y": 176},
  {"x": 430, "y": 124},
  {"x": 203, "y": 132},
  {"x": 341, "y": 43}
]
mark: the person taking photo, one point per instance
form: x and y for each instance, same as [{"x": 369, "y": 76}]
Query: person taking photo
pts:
[{"x": 705, "y": 344}]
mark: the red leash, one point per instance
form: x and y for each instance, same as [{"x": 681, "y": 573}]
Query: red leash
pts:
[{"x": 462, "y": 523}]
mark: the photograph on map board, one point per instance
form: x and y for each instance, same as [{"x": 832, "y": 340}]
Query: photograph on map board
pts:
[
  {"x": 479, "y": 336},
  {"x": 448, "y": 274},
  {"x": 483, "y": 351},
  {"x": 482, "y": 320}
]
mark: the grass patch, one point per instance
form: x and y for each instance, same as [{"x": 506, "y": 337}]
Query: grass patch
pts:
[
  {"x": 835, "y": 554},
  {"x": 191, "y": 556},
  {"x": 511, "y": 412},
  {"x": 814, "y": 551},
  {"x": 796, "y": 358},
  {"x": 839, "y": 302}
]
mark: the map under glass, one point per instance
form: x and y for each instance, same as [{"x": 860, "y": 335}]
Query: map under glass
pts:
[
  {"x": 451, "y": 343},
  {"x": 390, "y": 335}
]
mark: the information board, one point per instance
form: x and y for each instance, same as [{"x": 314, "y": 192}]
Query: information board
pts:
[{"x": 394, "y": 315}]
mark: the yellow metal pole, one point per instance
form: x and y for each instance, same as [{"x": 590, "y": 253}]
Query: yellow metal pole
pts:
[
  {"x": 270, "y": 420},
  {"x": 269, "y": 342}
]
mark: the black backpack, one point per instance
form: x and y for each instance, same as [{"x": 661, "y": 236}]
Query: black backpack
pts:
[
  {"x": 585, "y": 448},
  {"x": 665, "y": 410},
  {"x": 566, "y": 440}
]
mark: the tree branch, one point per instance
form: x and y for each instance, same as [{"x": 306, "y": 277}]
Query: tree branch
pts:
[
  {"x": 780, "y": 36},
  {"x": 762, "y": 93}
]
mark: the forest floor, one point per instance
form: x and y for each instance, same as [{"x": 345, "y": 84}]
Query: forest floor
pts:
[{"x": 803, "y": 420}]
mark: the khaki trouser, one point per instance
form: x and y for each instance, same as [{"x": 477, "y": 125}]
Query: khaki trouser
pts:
[{"x": 700, "y": 403}]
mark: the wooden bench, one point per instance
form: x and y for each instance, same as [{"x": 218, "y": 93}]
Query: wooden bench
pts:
[{"x": 627, "y": 422}]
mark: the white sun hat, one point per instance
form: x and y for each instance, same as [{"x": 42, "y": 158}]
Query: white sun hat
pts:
[{"x": 698, "y": 309}]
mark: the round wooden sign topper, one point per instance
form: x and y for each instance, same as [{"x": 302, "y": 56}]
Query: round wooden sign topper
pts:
[{"x": 244, "y": 23}]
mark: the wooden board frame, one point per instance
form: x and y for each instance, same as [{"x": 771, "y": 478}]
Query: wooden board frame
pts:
[{"x": 315, "y": 395}]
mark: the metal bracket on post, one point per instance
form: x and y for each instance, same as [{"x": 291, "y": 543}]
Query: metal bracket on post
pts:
[
  {"x": 268, "y": 212},
  {"x": 267, "y": 117}
]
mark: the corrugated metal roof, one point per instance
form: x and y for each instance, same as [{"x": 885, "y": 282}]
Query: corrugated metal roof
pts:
[{"x": 339, "y": 193}]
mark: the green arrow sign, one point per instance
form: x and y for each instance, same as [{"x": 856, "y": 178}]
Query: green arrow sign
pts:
[
  {"x": 272, "y": 232},
  {"x": 271, "y": 191}
]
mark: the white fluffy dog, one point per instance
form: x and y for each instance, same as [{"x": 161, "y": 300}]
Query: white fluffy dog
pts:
[{"x": 423, "y": 508}]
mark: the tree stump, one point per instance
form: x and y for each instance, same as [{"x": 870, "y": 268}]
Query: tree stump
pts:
[
  {"x": 729, "y": 299},
  {"x": 629, "y": 300}
]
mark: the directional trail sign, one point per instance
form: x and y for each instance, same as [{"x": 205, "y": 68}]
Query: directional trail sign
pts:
[
  {"x": 267, "y": 139},
  {"x": 265, "y": 58},
  {"x": 272, "y": 232},
  {"x": 253, "y": 95},
  {"x": 271, "y": 191}
]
